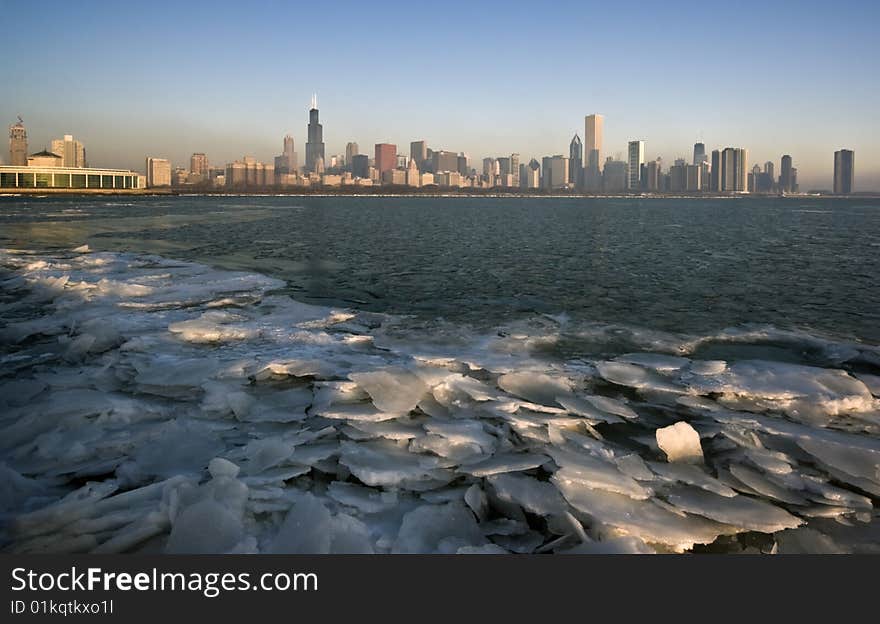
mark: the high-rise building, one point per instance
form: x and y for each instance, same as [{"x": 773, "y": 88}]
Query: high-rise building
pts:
[
  {"x": 198, "y": 164},
  {"x": 734, "y": 170},
  {"x": 18, "y": 145},
  {"x": 491, "y": 168},
  {"x": 694, "y": 178},
  {"x": 555, "y": 172},
  {"x": 286, "y": 163},
  {"x": 315, "y": 144},
  {"x": 158, "y": 172},
  {"x": 418, "y": 151},
  {"x": 412, "y": 173},
  {"x": 514, "y": 168},
  {"x": 386, "y": 157},
  {"x": 715, "y": 173},
  {"x": 360, "y": 166},
  {"x": 786, "y": 182},
  {"x": 653, "y": 172},
  {"x": 576, "y": 162},
  {"x": 844, "y": 171},
  {"x": 635, "y": 160},
  {"x": 72, "y": 153},
  {"x": 700, "y": 153},
  {"x": 530, "y": 178},
  {"x": 593, "y": 131},
  {"x": 351, "y": 150},
  {"x": 614, "y": 176},
  {"x": 463, "y": 164},
  {"x": 444, "y": 161}
]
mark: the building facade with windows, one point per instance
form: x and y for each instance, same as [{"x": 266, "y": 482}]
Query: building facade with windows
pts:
[{"x": 78, "y": 178}]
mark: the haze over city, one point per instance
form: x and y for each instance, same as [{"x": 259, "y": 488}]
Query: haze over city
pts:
[{"x": 487, "y": 79}]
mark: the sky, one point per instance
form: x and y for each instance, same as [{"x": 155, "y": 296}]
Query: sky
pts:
[{"x": 488, "y": 78}]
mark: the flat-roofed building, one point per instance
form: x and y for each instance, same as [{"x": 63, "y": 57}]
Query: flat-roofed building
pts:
[
  {"x": 844, "y": 171},
  {"x": 158, "y": 172},
  {"x": 72, "y": 152},
  {"x": 80, "y": 178},
  {"x": 386, "y": 157}
]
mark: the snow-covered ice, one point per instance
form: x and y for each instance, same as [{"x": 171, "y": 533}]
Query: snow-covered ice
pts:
[{"x": 154, "y": 405}]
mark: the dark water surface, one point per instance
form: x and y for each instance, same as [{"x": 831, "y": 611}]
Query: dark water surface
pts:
[{"x": 689, "y": 266}]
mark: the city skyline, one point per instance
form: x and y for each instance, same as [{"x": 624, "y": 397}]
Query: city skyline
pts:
[{"x": 818, "y": 107}]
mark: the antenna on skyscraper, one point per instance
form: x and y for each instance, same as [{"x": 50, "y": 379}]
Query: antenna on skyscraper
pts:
[
  {"x": 20, "y": 120},
  {"x": 314, "y": 100}
]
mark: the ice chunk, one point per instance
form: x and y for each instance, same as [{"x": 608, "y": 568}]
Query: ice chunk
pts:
[
  {"x": 386, "y": 464},
  {"x": 624, "y": 374},
  {"x": 206, "y": 527},
  {"x": 741, "y": 511},
  {"x": 306, "y": 529},
  {"x": 366, "y": 500},
  {"x": 219, "y": 467},
  {"x": 643, "y": 519},
  {"x": 577, "y": 405},
  {"x": 765, "y": 486},
  {"x": 596, "y": 473},
  {"x": 438, "y": 529},
  {"x": 692, "y": 475},
  {"x": 265, "y": 453},
  {"x": 504, "y": 462},
  {"x": 537, "y": 497},
  {"x": 680, "y": 442},
  {"x": 657, "y": 361},
  {"x": 535, "y": 387},
  {"x": 394, "y": 390}
]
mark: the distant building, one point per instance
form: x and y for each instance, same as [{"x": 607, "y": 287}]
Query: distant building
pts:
[
  {"x": 844, "y": 171},
  {"x": 386, "y": 157},
  {"x": 614, "y": 176},
  {"x": 18, "y": 145},
  {"x": 700, "y": 153},
  {"x": 418, "y": 151},
  {"x": 514, "y": 168},
  {"x": 593, "y": 132},
  {"x": 73, "y": 153},
  {"x": 730, "y": 170},
  {"x": 786, "y": 180},
  {"x": 198, "y": 164},
  {"x": 653, "y": 171},
  {"x": 287, "y": 162},
  {"x": 360, "y": 166},
  {"x": 635, "y": 160},
  {"x": 554, "y": 172},
  {"x": 678, "y": 176},
  {"x": 576, "y": 162},
  {"x": 443, "y": 160},
  {"x": 45, "y": 158},
  {"x": 315, "y": 143},
  {"x": 158, "y": 172},
  {"x": 530, "y": 177},
  {"x": 396, "y": 177},
  {"x": 413, "y": 177},
  {"x": 491, "y": 168},
  {"x": 694, "y": 178},
  {"x": 351, "y": 150},
  {"x": 22, "y": 177},
  {"x": 249, "y": 173}
]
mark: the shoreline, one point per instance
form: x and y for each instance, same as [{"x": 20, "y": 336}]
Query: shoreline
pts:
[{"x": 450, "y": 193}]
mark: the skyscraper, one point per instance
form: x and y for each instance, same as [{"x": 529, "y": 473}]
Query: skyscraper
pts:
[
  {"x": 635, "y": 160},
  {"x": 418, "y": 151},
  {"x": 700, "y": 153},
  {"x": 18, "y": 146},
  {"x": 360, "y": 166},
  {"x": 514, "y": 168},
  {"x": 576, "y": 162},
  {"x": 593, "y": 130},
  {"x": 286, "y": 163},
  {"x": 198, "y": 164},
  {"x": 351, "y": 150},
  {"x": 158, "y": 172},
  {"x": 734, "y": 170},
  {"x": 315, "y": 144},
  {"x": 386, "y": 157},
  {"x": 72, "y": 153},
  {"x": 786, "y": 181},
  {"x": 844, "y": 171}
]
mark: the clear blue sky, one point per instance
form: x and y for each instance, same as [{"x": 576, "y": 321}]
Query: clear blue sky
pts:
[{"x": 488, "y": 78}]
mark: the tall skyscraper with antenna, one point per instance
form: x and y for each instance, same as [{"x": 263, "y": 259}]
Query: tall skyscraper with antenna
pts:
[{"x": 315, "y": 143}]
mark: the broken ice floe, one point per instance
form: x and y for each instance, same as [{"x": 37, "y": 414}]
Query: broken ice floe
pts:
[{"x": 150, "y": 405}]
